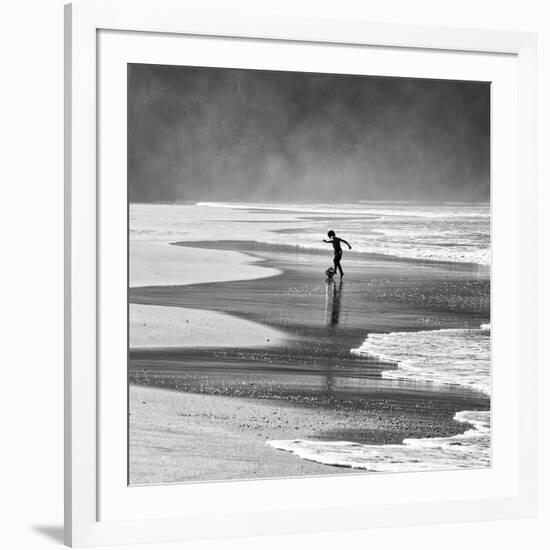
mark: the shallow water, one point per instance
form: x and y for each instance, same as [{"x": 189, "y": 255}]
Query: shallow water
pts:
[{"x": 443, "y": 232}]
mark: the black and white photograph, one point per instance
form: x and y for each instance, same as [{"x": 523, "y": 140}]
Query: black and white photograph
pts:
[{"x": 308, "y": 274}]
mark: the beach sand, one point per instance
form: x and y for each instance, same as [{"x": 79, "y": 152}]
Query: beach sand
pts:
[
  {"x": 177, "y": 436},
  {"x": 175, "y": 327},
  {"x": 154, "y": 262},
  {"x": 308, "y": 383}
]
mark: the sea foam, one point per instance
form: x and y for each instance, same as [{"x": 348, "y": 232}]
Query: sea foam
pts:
[
  {"x": 447, "y": 356},
  {"x": 471, "y": 449}
]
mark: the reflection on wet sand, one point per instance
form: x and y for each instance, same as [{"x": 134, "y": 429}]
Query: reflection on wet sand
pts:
[
  {"x": 333, "y": 303},
  {"x": 333, "y": 306}
]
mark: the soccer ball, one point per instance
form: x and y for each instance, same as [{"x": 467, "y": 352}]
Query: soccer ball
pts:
[{"x": 330, "y": 272}]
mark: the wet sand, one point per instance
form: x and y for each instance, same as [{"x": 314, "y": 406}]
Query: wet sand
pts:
[{"x": 313, "y": 369}]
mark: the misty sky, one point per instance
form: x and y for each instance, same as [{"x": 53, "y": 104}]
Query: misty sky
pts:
[{"x": 224, "y": 134}]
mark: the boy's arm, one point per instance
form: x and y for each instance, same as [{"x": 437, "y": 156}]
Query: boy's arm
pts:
[
  {"x": 325, "y": 241},
  {"x": 344, "y": 241}
]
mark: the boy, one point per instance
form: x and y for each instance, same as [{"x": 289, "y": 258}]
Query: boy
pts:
[{"x": 335, "y": 241}]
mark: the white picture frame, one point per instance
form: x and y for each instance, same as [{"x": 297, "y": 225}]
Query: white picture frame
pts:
[{"x": 84, "y": 524}]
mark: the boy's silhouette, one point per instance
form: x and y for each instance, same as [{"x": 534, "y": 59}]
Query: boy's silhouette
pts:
[{"x": 335, "y": 241}]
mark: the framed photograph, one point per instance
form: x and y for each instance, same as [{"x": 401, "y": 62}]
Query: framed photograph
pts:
[{"x": 300, "y": 275}]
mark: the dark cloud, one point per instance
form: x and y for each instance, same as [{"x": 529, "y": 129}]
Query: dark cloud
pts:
[{"x": 222, "y": 134}]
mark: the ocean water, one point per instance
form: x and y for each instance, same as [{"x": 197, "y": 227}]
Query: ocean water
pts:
[
  {"x": 448, "y": 356},
  {"x": 455, "y": 232},
  {"x": 459, "y": 357}
]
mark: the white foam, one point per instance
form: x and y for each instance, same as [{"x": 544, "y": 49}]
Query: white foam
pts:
[
  {"x": 447, "y": 356},
  {"x": 471, "y": 449}
]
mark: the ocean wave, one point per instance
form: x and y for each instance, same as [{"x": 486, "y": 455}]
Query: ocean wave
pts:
[
  {"x": 446, "y": 356},
  {"x": 471, "y": 449}
]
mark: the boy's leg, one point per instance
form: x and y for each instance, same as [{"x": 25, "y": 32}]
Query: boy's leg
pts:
[{"x": 337, "y": 266}]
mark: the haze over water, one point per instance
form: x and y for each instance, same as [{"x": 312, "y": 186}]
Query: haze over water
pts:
[{"x": 216, "y": 134}]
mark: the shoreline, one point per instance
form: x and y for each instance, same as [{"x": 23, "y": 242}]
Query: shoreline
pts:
[
  {"x": 179, "y": 437},
  {"x": 483, "y": 270},
  {"x": 313, "y": 370},
  {"x": 225, "y": 384}
]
